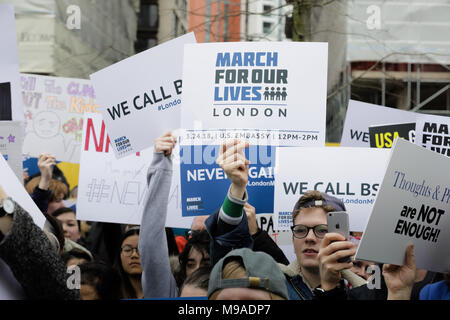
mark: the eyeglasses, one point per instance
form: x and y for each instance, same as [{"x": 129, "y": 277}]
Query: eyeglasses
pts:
[
  {"x": 128, "y": 251},
  {"x": 300, "y": 231}
]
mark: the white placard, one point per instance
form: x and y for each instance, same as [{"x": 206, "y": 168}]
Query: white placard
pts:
[
  {"x": 360, "y": 116},
  {"x": 10, "y": 98},
  {"x": 11, "y": 145},
  {"x": 432, "y": 132},
  {"x": 350, "y": 174},
  {"x": 14, "y": 188},
  {"x": 412, "y": 206},
  {"x": 140, "y": 97},
  {"x": 117, "y": 186},
  {"x": 253, "y": 89},
  {"x": 54, "y": 109}
]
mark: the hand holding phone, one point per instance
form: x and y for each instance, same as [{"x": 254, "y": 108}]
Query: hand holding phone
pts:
[{"x": 338, "y": 222}]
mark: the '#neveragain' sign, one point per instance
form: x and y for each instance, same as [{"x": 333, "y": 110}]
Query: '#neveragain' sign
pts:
[
  {"x": 117, "y": 186},
  {"x": 352, "y": 175},
  {"x": 140, "y": 96},
  {"x": 412, "y": 206}
]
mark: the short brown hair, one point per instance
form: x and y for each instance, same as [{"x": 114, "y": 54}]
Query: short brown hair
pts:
[{"x": 308, "y": 197}]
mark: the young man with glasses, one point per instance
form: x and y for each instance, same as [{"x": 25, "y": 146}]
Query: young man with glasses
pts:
[{"x": 308, "y": 231}]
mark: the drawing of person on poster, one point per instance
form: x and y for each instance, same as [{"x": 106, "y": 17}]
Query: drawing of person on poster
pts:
[{"x": 47, "y": 135}]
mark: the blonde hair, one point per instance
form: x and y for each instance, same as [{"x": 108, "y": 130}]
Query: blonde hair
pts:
[{"x": 234, "y": 269}]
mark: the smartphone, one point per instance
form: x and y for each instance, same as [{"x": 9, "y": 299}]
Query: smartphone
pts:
[{"x": 337, "y": 222}]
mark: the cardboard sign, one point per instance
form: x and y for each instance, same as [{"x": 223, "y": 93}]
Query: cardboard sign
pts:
[
  {"x": 14, "y": 188},
  {"x": 384, "y": 136},
  {"x": 412, "y": 206},
  {"x": 433, "y": 133},
  {"x": 54, "y": 109},
  {"x": 10, "y": 99},
  {"x": 360, "y": 116},
  {"x": 140, "y": 96},
  {"x": 117, "y": 186},
  {"x": 204, "y": 184},
  {"x": 11, "y": 146},
  {"x": 270, "y": 93},
  {"x": 350, "y": 174}
]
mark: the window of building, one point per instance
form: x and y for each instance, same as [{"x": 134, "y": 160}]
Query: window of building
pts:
[
  {"x": 267, "y": 27},
  {"x": 266, "y": 9},
  {"x": 148, "y": 16}
]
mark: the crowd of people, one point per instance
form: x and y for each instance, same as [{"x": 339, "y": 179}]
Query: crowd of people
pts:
[{"x": 225, "y": 255}]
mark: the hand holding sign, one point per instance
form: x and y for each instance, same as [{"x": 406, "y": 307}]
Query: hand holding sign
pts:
[
  {"x": 400, "y": 279},
  {"x": 333, "y": 248},
  {"x": 165, "y": 143},
  {"x": 233, "y": 161}
]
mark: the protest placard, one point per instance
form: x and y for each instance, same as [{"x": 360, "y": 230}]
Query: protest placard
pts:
[
  {"x": 268, "y": 94},
  {"x": 10, "y": 99},
  {"x": 350, "y": 174},
  {"x": 204, "y": 184},
  {"x": 14, "y": 188},
  {"x": 383, "y": 136},
  {"x": 283, "y": 238},
  {"x": 253, "y": 89},
  {"x": 118, "y": 186},
  {"x": 11, "y": 146},
  {"x": 140, "y": 96},
  {"x": 54, "y": 110},
  {"x": 412, "y": 206},
  {"x": 433, "y": 133},
  {"x": 360, "y": 116}
]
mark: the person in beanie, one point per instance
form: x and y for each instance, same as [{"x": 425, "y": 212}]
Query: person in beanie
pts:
[
  {"x": 244, "y": 274},
  {"x": 308, "y": 230}
]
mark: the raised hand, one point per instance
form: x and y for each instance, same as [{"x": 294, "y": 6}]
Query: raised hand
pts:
[
  {"x": 46, "y": 162},
  {"x": 233, "y": 161},
  {"x": 165, "y": 143}
]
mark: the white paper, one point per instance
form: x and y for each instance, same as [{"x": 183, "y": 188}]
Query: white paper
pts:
[
  {"x": 117, "y": 186},
  {"x": 140, "y": 97},
  {"x": 432, "y": 132},
  {"x": 11, "y": 145},
  {"x": 9, "y": 64},
  {"x": 14, "y": 188},
  {"x": 254, "y": 89},
  {"x": 412, "y": 206},
  {"x": 350, "y": 174},
  {"x": 360, "y": 116},
  {"x": 54, "y": 109}
]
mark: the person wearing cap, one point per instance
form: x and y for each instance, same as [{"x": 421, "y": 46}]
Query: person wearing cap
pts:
[
  {"x": 308, "y": 231},
  {"x": 247, "y": 275}
]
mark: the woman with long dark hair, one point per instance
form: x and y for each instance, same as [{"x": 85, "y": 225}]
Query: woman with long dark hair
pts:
[{"x": 128, "y": 264}]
